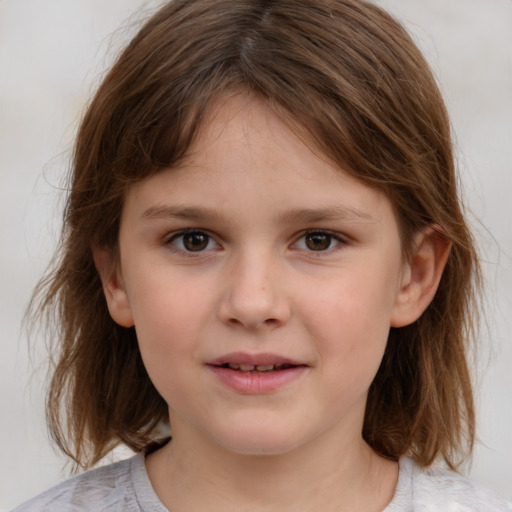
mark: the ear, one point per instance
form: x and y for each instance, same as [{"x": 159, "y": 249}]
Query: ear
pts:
[
  {"x": 113, "y": 286},
  {"x": 421, "y": 276}
]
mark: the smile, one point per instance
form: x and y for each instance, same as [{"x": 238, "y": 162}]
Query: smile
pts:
[
  {"x": 250, "y": 368},
  {"x": 256, "y": 374}
]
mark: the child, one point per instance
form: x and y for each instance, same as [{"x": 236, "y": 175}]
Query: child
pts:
[{"x": 264, "y": 251}]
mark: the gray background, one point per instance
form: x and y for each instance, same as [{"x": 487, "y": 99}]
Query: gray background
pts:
[{"x": 52, "y": 55}]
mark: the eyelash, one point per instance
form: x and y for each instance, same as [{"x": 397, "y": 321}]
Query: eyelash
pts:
[
  {"x": 168, "y": 241},
  {"x": 332, "y": 238}
]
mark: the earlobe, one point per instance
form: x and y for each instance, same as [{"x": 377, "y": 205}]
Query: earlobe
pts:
[
  {"x": 421, "y": 276},
  {"x": 113, "y": 286}
]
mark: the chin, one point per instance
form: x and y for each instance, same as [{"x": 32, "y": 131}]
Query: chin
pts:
[
  {"x": 264, "y": 448},
  {"x": 264, "y": 442}
]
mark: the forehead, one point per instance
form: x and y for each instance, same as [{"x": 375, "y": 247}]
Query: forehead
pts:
[
  {"x": 245, "y": 158},
  {"x": 246, "y": 122}
]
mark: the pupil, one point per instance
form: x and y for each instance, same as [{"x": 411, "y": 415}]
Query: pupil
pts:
[
  {"x": 318, "y": 241},
  {"x": 195, "y": 241}
]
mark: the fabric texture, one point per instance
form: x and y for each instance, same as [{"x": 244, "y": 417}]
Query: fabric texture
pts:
[{"x": 125, "y": 486}]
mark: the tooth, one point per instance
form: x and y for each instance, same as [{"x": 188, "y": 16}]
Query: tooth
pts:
[
  {"x": 264, "y": 368},
  {"x": 234, "y": 366},
  {"x": 247, "y": 367}
]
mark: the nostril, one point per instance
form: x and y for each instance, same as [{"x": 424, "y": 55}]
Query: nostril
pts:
[
  {"x": 269, "y": 322},
  {"x": 252, "y": 308}
]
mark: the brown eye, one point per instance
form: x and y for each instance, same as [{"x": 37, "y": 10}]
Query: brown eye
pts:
[
  {"x": 318, "y": 241},
  {"x": 195, "y": 241},
  {"x": 192, "y": 241}
]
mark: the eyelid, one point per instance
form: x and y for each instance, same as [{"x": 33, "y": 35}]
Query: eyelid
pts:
[
  {"x": 184, "y": 231},
  {"x": 171, "y": 237},
  {"x": 340, "y": 239}
]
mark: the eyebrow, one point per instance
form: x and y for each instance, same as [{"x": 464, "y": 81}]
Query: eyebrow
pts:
[
  {"x": 334, "y": 213},
  {"x": 299, "y": 215},
  {"x": 181, "y": 212}
]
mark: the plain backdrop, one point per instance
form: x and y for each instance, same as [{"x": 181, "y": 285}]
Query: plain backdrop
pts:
[{"x": 52, "y": 56}]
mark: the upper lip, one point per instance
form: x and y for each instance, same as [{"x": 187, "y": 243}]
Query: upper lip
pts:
[{"x": 261, "y": 359}]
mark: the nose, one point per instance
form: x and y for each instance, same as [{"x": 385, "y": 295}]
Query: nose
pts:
[{"x": 253, "y": 294}]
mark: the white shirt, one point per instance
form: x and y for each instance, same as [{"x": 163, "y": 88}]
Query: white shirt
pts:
[{"x": 125, "y": 486}]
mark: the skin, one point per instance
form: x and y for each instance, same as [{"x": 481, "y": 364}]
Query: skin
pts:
[{"x": 254, "y": 190}]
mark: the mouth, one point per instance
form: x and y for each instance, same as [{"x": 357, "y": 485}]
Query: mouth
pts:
[
  {"x": 256, "y": 374},
  {"x": 261, "y": 368},
  {"x": 255, "y": 363}
]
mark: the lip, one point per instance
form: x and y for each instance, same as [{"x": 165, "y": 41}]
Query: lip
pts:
[
  {"x": 253, "y": 383},
  {"x": 260, "y": 359}
]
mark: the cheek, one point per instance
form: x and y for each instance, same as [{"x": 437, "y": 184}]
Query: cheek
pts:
[
  {"x": 169, "y": 318},
  {"x": 349, "y": 317},
  {"x": 164, "y": 302},
  {"x": 167, "y": 333}
]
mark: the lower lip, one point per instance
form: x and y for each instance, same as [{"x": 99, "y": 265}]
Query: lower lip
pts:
[{"x": 257, "y": 383}]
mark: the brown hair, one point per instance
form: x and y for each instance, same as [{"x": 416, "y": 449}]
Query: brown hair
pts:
[{"x": 346, "y": 76}]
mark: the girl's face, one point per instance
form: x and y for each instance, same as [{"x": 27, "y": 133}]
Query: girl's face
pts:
[{"x": 262, "y": 283}]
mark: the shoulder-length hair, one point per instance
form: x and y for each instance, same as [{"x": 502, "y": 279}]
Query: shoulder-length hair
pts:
[{"x": 346, "y": 77}]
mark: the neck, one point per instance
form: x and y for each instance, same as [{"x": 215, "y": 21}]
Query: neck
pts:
[{"x": 188, "y": 475}]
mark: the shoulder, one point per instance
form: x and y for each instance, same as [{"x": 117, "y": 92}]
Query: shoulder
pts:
[
  {"x": 113, "y": 488},
  {"x": 435, "y": 489}
]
